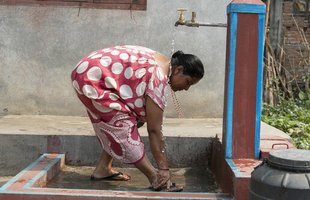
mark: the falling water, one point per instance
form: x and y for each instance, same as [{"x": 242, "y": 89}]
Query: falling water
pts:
[
  {"x": 172, "y": 46},
  {"x": 173, "y": 95},
  {"x": 164, "y": 144},
  {"x": 172, "y": 41}
]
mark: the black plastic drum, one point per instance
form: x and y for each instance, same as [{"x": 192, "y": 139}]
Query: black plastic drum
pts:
[{"x": 284, "y": 175}]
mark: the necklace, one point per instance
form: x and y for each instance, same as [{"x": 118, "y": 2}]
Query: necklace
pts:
[{"x": 175, "y": 100}]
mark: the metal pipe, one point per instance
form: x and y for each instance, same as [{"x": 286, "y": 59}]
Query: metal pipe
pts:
[
  {"x": 213, "y": 24},
  {"x": 192, "y": 23}
]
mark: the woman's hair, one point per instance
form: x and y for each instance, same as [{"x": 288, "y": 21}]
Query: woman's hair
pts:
[{"x": 191, "y": 63}]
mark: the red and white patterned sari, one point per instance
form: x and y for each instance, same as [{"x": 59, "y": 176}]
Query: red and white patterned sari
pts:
[{"x": 113, "y": 83}]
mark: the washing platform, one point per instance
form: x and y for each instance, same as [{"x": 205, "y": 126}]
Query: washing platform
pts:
[
  {"x": 43, "y": 179},
  {"x": 53, "y": 157}
]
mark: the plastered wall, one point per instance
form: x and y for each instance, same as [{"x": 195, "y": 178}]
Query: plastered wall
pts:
[{"x": 39, "y": 46}]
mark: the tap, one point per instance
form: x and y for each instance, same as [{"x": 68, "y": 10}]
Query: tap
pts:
[
  {"x": 181, "y": 20},
  {"x": 192, "y": 22}
]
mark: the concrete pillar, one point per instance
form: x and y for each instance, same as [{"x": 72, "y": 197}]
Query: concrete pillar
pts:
[{"x": 243, "y": 79}]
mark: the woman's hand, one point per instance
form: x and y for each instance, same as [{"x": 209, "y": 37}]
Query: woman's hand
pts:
[{"x": 163, "y": 180}]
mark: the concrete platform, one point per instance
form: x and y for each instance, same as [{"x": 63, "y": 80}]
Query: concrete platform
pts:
[
  {"x": 25, "y": 138},
  {"x": 33, "y": 183},
  {"x": 192, "y": 146}
]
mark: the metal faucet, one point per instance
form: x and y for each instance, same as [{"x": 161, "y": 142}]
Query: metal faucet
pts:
[
  {"x": 192, "y": 23},
  {"x": 181, "y": 20}
]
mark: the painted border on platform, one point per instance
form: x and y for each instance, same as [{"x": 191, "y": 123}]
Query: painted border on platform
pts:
[{"x": 242, "y": 170}]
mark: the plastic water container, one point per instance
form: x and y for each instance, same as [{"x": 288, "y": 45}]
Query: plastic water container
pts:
[{"x": 284, "y": 175}]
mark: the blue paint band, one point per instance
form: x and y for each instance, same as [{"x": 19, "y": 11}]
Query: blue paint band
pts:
[
  {"x": 246, "y": 8},
  {"x": 259, "y": 84},
  {"x": 233, "y": 167},
  {"x": 230, "y": 85},
  {"x": 20, "y": 174},
  {"x": 42, "y": 172}
]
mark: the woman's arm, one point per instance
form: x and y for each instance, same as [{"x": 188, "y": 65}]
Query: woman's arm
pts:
[{"x": 154, "y": 127}]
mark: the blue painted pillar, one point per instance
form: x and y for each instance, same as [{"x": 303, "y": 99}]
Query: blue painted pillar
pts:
[{"x": 243, "y": 79}]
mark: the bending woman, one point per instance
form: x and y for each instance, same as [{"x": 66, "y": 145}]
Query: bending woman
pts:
[{"x": 122, "y": 87}]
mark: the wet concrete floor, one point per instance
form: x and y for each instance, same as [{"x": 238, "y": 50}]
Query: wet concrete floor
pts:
[
  {"x": 192, "y": 179},
  {"x": 4, "y": 179}
]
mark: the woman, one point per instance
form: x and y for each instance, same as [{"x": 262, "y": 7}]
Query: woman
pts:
[{"x": 122, "y": 87}]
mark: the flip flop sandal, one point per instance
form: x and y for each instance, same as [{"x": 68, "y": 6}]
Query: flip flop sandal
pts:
[{"x": 113, "y": 177}]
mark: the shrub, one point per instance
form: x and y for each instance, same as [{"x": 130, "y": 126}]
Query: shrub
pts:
[{"x": 292, "y": 117}]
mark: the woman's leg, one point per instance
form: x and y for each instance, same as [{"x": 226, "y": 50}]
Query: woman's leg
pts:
[
  {"x": 104, "y": 168},
  {"x": 157, "y": 179},
  {"x": 104, "y": 165},
  {"x": 147, "y": 169}
]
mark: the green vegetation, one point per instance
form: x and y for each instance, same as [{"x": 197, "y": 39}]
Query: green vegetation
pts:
[
  {"x": 286, "y": 94},
  {"x": 292, "y": 117}
]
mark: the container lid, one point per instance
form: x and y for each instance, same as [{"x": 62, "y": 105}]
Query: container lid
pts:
[{"x": 290, "y": 159}]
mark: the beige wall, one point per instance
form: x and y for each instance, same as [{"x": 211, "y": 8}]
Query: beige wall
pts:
[{"x": 39, "y": 46}]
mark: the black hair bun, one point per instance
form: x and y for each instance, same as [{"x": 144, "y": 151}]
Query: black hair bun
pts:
[
  {"x": 176, "y": 58},
  {"x": 177, "y": 54}
]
